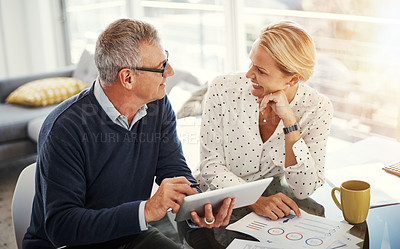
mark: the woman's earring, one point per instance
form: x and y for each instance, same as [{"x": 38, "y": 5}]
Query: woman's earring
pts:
[{"x": 288, "y": 85}]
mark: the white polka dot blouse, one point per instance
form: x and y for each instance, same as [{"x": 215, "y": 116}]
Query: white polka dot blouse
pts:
[{"x": 232, "y": 151}]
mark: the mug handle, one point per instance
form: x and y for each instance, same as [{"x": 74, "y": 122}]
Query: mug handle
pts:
[{"x": 334, "y": 197}]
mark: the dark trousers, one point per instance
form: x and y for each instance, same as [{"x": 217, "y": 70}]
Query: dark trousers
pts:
[
  {"x": 152, "y": 238},
  {"x": 198, "y": 238}
]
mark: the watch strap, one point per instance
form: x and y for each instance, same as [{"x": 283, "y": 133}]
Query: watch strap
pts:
[{"x": 291, "y": 128}]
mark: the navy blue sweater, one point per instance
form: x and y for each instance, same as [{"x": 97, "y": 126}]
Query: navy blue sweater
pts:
[{"x": 92, "y": 174}]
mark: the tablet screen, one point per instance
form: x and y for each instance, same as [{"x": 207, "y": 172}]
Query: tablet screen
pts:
[{"x": 245, "y": 194}]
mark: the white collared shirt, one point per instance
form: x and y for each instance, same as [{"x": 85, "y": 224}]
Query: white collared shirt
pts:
[
  {"x": 112, "y": 112},
  {"x": 232, "y": 151}
]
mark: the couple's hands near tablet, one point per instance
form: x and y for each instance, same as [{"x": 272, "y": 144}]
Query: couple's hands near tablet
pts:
[
  {"x": 275, "y": 206},
  {"x": 170, "y": 195},
  {"x": 220, "y": 219}
]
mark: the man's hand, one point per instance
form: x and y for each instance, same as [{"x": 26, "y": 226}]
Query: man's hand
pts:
[
  {"x": 221, "y": 219},
  {"x": 170, "y": 194},
  {"x": 275, "y": 206}
]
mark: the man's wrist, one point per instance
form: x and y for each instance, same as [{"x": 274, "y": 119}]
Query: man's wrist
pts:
[{"x": 142, "y": 216}]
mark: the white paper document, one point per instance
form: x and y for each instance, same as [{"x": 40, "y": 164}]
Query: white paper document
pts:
[
  {"x": 247, "y": 244},
  {"x": 384, "y": 186},
  {"x": 307, "y": 231}
]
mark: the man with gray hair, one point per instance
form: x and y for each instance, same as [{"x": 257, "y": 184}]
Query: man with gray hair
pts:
[{"x": 99, "y": 152}]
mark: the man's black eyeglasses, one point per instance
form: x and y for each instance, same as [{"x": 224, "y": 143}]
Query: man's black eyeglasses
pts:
[{"x": 162, "y": 71}]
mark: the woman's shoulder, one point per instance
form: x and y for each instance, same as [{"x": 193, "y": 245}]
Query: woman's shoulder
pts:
[
  {"x": 312, "y": 96},
  {"x": 234, "y": 89},
  {"x": 230, "y": 81}
]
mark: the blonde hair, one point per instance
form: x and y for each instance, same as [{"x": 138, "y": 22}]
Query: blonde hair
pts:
[{"x": 291, "y": 47}]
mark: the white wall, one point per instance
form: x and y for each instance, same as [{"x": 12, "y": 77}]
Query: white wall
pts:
[
  {"x": 3, "y": 64},
  {"x": 31, "y": 39},
  {"x": 14, "y": 37}
]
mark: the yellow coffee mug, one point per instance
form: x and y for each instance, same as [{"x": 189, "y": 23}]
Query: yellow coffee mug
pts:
[{"x": 355, "y": 199}]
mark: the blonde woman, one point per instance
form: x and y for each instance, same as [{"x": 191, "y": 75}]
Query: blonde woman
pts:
[{"x": 267, "y": 122}]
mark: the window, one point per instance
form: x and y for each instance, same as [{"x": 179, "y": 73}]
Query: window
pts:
[
  {"x": 194, "y": 32},
  {"x": 358, "y": 49},
  {"x": 85, "y": 21},
  {"x": 357, "y": 46}
]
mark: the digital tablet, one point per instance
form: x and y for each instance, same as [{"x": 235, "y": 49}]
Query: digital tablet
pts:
[{"x": 245, "y": 195}]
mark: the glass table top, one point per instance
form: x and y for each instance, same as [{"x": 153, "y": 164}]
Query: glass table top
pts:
[{"x": 380, "y": 230}]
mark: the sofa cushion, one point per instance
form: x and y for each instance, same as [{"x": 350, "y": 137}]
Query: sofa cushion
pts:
[
  {"x": 46, "y": 91},
  {"x": 86, "y": 69},
  {"x": 8, "y": 85},
  {"x": 14, "y": 120},
  {"x": 180, "y": 93},
  {"x": 194, "y": 105},
  {"x": 34, "y": 127}
]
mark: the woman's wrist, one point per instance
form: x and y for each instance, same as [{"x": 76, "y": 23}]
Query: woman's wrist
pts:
[
  {"x": 291, "y": 128},
  {"x": 289, "y": 120}
]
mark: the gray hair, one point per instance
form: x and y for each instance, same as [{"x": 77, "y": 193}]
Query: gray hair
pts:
[{"x": 118, "y": 47}]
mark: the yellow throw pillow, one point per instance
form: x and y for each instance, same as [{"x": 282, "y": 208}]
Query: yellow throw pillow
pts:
[{"x": 46, "y": 91}]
